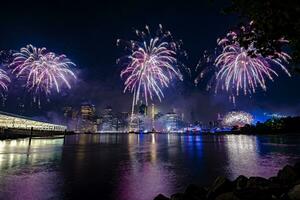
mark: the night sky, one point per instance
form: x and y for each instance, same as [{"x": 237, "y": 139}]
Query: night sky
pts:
[{"x": 87, "y": 32}]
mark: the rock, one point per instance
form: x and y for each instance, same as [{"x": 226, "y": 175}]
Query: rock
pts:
[
  {"x": 284, "y": 196},
  {"x": 287, "y": 175},
  {"x": 265, "y": 188},
  {"x": 294, "y": 193},
  {"x": 192, "y": 188},
  {"x": 258, "y": 182},
  {"x": 297, "y": 168},
  {"x": 220, "y": 185},
  {"x": 276, "y": 189},
  {"x": 227, "y": 196},
  {"x": 274, "y": 179},
  {"x": 253, "y": 194},
  {"x": 161, "y": 197},
  {"x": 177, "y": 196},
  {"x": 240, "y": 182},
  {"x": 193, "y": 192}
]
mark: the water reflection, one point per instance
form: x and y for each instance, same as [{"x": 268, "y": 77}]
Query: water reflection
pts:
[
  {"x": 134, "y": 166},
  {"x": 16, "y": 153},
  {"x": 242, "y": 153},
  {"x": 145, "y": 174},
  {"x": 27, "y": 170},
  {"x": 258, "y": 156}
]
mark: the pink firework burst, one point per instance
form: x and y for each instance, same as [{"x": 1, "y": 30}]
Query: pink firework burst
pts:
[
  {"x": 240, "y": 68},
  {"x": 150, "y": 65},
  {"x": 43, "y": 71}
]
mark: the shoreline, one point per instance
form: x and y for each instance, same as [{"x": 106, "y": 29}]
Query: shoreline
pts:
[
  {"x": 47, "y": 134},
  {"x": 9, "y": 134},
  {"x": 284, "y": 186}
]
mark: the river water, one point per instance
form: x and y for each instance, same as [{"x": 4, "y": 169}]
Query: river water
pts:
[{"x": 134, "y": 167}]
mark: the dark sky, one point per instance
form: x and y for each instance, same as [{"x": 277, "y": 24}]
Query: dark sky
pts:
[{"x": 87, "y": 31}]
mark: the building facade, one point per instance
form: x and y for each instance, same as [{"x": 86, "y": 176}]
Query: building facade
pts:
[{"x": 8, "y": 120}]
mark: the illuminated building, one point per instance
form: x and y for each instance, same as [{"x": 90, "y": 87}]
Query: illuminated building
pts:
[
  {"x": 68, "y": 117},
  {"x": 87, "y": 111},
  {"x": 87, "y": 121},
  {"x": 107, "y": 119},
  {"x": 172, "y": 121},
  {"x": 122, "y": 122},
  {"x": 135, "y": 123},
  {"x": 8, "y": 120},
  {"x": 152, "y": 116}
]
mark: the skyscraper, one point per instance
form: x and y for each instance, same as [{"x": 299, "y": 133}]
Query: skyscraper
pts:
[
  {"x": 87, "y": 111},
  {"x": 87, "y": 120},
  {"x": 107, "y": 119}
]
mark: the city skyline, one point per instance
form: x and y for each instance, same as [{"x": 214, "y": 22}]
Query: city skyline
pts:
[
  {"x": 150, "y": 100},
  {"x": 99, "y": 74}
]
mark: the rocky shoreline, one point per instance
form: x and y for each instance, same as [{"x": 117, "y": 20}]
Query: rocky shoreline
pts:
[{"x": 284, "y": 186}]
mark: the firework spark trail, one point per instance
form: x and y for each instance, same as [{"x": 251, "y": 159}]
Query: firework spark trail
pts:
[
  {"x": 240, "y": 71},
  {"x": 44, "y": 71},
  {"x": 150, "y": 65},
  {"x": 204, "y": 68},
  {"x": 4, "y": 80}
]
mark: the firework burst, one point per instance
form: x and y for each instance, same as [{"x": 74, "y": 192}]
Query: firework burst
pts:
[
  {"x": 4, "y": 80},
  {"x": 151, "y": 64},
  {"x": 43, "y": 71},
  {"x": 240, "y": 68},
  {"x": 237, "y": 118}
]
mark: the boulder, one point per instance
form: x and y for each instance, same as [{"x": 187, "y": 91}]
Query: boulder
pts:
[
  {"x": 287, "y": 175},
  {"x": 161, "y": 197},
  {"x": 253, "y": 194},
  {"x": 274, "y": 179},
  {"x": 258, "y": 182},
  {"x": 177, "y": 196},
  {"x": 276, "y": 189},
  {"x": 294, "y": 193},
  {"x": 193, "y": 192},
  {"x": 297, "y": 168},
  {"x": 265, "y": 188},
  {"x": 227, "y": 196},
  {"x": 240, "y": 182},
  {"x": 220, "y": 185}
]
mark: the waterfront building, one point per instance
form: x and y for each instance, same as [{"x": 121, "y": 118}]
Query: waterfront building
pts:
[{"x": 12, "y": 121}]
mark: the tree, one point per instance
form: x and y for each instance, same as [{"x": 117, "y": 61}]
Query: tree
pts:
[{"x": 273, "y": 20}]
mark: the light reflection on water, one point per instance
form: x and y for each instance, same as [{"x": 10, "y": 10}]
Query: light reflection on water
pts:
[
  {"x": 23, "y": 174},
  {"x": 135, "y": 167}
]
